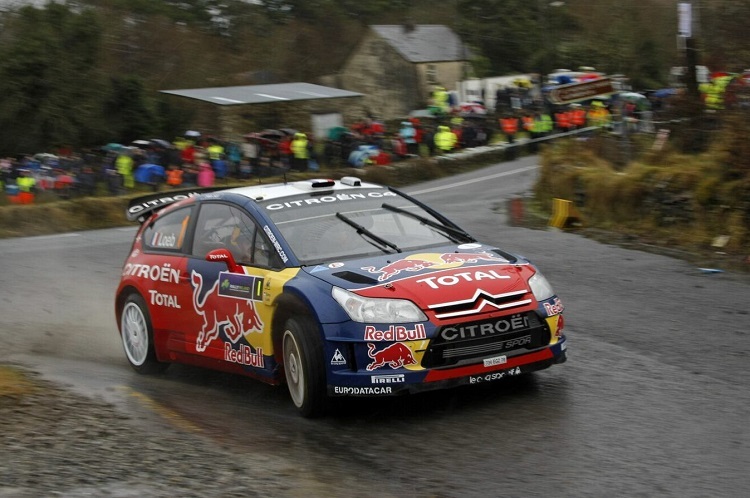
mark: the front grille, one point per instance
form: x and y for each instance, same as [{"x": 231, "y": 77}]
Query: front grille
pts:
[
  {"x": 459, "y": 343},
  {"x": 481, "y": 301}
]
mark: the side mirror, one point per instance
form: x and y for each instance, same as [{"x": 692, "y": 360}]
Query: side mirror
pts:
[{"x": 225, "y": 255}]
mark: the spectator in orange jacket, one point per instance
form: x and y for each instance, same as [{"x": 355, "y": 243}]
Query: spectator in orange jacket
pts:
[
  {"x": 174, "y": 175},
  {"x": 509, "y": 125}
]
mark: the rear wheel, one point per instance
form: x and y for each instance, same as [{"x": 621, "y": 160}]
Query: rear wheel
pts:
[
  {"x": 138, "y": 336},
  {"x": 303, "y": 366}
]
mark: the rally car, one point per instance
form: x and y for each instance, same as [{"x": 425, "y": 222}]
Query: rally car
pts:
[{"x": 334, "y": 287}]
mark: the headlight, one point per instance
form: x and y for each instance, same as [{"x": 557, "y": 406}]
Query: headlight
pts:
[
  {"x": 540, "y": 287},
  {"x": 371, "y": 310}
]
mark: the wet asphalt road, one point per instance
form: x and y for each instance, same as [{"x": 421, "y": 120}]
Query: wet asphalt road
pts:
[{"x": 652, "y": 401}]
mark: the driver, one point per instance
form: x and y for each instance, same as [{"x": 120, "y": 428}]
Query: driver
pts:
[{"x": 241, "y": 245}]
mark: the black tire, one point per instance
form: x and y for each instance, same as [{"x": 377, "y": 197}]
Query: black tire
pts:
[
  {"x": 303, "y": 366},
  {"x": 137, "y": 336}
]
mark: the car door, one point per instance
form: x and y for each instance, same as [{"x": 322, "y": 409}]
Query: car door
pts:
[
  {"x": 232, "y": 318},
  {"x": 162, "y": 265}
]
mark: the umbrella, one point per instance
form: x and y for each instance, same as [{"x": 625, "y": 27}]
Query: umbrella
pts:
[
  {"x": 44, "y": 155},
  {"x": 147, "y": 172},
  {"x": 631, "y": 95},
  {"x": 272, "y": 134},
  {"x": 473, "y": 108},
  {"x": 141, "y": 144},
  {"x": 634, "y": 97},
  {"x": 421, "y": 113},
  {"x": 63, "y": 181},
  {"x": 192, "y": 133},
  {"x": 588, "y": 77},
  {"x": 665, "y": 92},
  {"x": 161, "y": 143},
  {"x": 336, "y": 132},
  {"x": 112, "y": 147},
  {"x": 640, "y": 100}
]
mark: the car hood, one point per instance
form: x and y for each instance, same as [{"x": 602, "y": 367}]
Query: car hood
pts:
[{"x": 448, "y": 283}]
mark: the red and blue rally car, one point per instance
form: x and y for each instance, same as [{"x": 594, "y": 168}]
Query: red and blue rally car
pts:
[{"x": 338, "y": 288}]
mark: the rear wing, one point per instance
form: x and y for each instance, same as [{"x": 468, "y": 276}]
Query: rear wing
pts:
[{"x": 140, "y": 208}]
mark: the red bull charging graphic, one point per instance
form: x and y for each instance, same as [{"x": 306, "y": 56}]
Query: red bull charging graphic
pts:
[
  {"x": 395, "y": 356},
  {"x": 418, "y": 262},
  {"x": 223, "y": 312}
]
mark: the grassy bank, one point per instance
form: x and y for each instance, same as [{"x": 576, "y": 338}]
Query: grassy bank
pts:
[{"x": 694, "y": 203}]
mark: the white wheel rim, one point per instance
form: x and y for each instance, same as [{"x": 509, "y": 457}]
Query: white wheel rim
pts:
[
  {"x": 134, "y": 334},
  {"x": 295, "y": 377}
]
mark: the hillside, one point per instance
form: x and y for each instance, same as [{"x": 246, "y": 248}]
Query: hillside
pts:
[{"x": 88, "y": 72}]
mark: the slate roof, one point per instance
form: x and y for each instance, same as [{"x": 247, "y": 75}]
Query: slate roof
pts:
[
  {"x": 423, "y": 42},
  {"x": 260, "y": 94}
]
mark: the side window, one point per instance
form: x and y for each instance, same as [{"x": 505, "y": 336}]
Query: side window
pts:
[
  {"x": 225, "y": 226},
  {"x": 168, "y": 231},
  {"x": 263, "y": 254}
]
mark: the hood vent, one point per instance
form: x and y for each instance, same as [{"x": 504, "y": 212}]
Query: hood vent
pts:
[{"x": 356, "y": 278}]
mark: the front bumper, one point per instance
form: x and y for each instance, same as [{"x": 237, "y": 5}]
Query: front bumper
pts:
[{"x": 397, "y": 381}]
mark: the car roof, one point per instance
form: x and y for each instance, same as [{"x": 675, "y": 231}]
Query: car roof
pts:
[
  {"x": 140, "y": 208},
  {"x": 291, "y": 189}
]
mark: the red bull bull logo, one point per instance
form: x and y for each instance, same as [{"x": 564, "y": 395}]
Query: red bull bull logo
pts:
[
  {"x": 393, "y": 269},
  {"x": 395, "y": 356},
  {"x": 235, "y": 317},
  {"x": 419, "y": 262},
  {"x": 470, "y": 257}
]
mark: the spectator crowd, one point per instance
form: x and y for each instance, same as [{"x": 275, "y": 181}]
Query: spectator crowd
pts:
[{"x": 194, "y": 160}]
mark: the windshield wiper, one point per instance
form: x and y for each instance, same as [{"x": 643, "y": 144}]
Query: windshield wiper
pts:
[
  {"x": 363, "y": 231},
  {"x": 450, "y": 231}
]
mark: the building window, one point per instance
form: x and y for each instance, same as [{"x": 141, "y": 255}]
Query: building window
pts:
[{"x": 431, "y": 74}]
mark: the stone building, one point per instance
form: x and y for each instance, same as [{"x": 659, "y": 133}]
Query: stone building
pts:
[
  {"x": 397, "y": 67},
  {"x": 232, "y": 112}
]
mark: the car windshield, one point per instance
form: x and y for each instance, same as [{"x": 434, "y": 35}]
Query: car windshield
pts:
[{"x": 338, "y": 226}]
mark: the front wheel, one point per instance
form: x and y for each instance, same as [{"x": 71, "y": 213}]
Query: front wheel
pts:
[
  {"x": 303, "y": 366},
  {"x": 138, "y": 336}
]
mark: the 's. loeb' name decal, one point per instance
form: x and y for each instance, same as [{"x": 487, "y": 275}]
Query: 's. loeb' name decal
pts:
[{"x": 164, "y": 240}]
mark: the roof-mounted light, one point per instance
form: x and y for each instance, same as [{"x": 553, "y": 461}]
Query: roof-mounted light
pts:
[
  {"x": 351, "y": 181},
  {"x": 322, "y": 183}
]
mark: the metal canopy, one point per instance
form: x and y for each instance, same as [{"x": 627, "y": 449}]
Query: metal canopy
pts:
[{"x": 262, "y": 94}]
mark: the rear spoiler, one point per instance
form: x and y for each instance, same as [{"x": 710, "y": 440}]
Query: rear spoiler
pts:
[{"x": 140, "y": 208}]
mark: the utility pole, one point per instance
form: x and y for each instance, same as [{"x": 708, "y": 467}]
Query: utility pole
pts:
[
  {"x": 687, "y": 24},
  {"x": 543, "y": 8}
]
